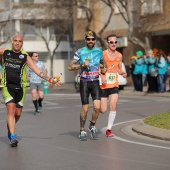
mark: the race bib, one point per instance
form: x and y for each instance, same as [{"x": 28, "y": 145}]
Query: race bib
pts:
[{"x": 111, "y": 78}]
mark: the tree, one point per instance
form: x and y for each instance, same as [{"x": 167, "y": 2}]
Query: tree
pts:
[
  {"x": 5, "y": 36},
  {"x": 138, "y": 29},
  {"x": 56, "y": 16},
  {"x": 89, "y": 11},
  {"x": 129, "y": 11}
]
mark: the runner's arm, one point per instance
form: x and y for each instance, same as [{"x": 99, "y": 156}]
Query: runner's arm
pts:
[
  {"x": 45, "y": 71},
  {"x": 40, "y": 72},
  {"x": 2, "y": 50},
  {"x": 74, "y": 65},
  {"x": 120, "y": 70}
]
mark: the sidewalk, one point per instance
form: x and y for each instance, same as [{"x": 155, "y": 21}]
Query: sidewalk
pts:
[
  {"x": 139, "y": 127},
  {"x": 128, "y": 90}
]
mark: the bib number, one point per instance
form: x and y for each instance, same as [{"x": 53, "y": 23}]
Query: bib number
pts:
[{"x": 111, "y": 78}]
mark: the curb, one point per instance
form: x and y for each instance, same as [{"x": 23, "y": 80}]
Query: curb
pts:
[{"x": 151, "y": 131}]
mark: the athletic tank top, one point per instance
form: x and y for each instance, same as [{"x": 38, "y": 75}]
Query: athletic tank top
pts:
[
  {"x": 112, "y": 69},
  {"x": 14, "y": 69}
]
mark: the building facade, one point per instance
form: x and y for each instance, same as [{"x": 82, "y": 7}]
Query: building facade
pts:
[
  {"x": 34, "y": 20},
  {"x": 145, "y": 18},
  {"x": 42, "y": 23}
]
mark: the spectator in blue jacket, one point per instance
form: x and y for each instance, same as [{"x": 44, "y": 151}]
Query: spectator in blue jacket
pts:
[
  {"x": 138, "y": 71},
  {"x": 145, "y": 70},
  {"x": 153, "y": 72},
  {"x": 162, "y": 67}
]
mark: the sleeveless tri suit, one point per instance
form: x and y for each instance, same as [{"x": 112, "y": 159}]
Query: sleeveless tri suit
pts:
[{"x": 14, "y": 80}]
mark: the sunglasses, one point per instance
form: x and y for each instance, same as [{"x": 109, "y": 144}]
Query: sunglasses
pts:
[
  {"x": 112, "y": 42},
  {"x": 92, "y": 39}
]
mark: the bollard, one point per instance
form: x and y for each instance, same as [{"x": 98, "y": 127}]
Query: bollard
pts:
[{"x": 45, "y": 87}]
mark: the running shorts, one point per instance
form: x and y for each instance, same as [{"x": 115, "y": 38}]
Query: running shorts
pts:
[
  {"x": 87, "y": 88},
  {"x": 16, "y": 96},
  {"x": 37, "y": 86},
  {"x": 109, "y": 91}
]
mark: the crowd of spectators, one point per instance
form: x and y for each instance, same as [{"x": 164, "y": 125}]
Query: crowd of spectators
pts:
[{"x": 151, "y": 69}]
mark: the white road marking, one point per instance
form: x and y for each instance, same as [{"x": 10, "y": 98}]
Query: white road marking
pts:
[
  {"x": 57, "y": 107},
  {"x": 133, "y": 142},
  {"x": 139, "y": 143},
  {"x": 161, "y": 99},
  {"x": 50, "y": 103}
]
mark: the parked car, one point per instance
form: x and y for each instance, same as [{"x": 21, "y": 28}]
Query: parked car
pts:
[{"x": 122, "y": 81}]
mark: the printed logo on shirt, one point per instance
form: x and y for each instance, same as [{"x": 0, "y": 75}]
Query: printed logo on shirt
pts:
[
  {"x": 21, "y": 56},
  {"x": 112, "y": 66}
]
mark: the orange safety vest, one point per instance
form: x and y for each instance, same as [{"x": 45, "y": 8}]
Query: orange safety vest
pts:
[{"x": 112, "y": 69}]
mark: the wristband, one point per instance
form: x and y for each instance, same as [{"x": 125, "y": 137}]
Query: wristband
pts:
[{"x": 49, "y": 80}]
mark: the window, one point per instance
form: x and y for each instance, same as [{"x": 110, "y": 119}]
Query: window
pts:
[
  {"x": 151, "y": 7},
  {"x": 81, "y": 9},
  {"x": 157, "y": 6},
  {"x": 145, "y": 8}
]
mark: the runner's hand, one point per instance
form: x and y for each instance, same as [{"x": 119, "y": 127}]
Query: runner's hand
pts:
[
  {"x": 103, "y": 79},
  {"x": 53, "y": 81},
  {"x": 124, "y": 75}
]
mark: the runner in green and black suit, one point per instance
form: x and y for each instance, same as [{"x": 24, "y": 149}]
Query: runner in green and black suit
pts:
[{"x": 14, "y": 64}]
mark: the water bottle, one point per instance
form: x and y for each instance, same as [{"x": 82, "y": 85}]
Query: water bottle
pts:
[
  {"x": 57, "y": 78},
  {"x": 87, "y": 67},
  {"x": 102, "y": 67}
]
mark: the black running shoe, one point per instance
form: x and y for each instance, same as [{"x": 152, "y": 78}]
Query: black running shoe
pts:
[{"x": 14, "y": 141}]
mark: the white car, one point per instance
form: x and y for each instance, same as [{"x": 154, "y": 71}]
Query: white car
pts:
[{"x": 122, "y": 81}]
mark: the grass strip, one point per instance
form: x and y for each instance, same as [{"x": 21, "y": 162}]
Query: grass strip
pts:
[{"x": 161, "y": 120}]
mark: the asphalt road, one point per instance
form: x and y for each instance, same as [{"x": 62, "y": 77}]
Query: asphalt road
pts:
[{"x": 50, "y": 141}]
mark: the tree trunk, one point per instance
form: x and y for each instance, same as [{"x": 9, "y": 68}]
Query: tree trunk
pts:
[{"x": 51, "y": 65}]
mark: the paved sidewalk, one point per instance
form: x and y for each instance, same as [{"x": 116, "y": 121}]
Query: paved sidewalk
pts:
[{"x": 128, "y": 90}]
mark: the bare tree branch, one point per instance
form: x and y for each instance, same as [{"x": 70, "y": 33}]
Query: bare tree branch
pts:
[
  {"x": 125, "y": 7},
  {"x": 5, "y": 31},
  {"x": 108, "y": 2}
]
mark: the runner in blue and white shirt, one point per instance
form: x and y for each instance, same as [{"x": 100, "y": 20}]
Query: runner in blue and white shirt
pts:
[{"x": 88, "y": 59}]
